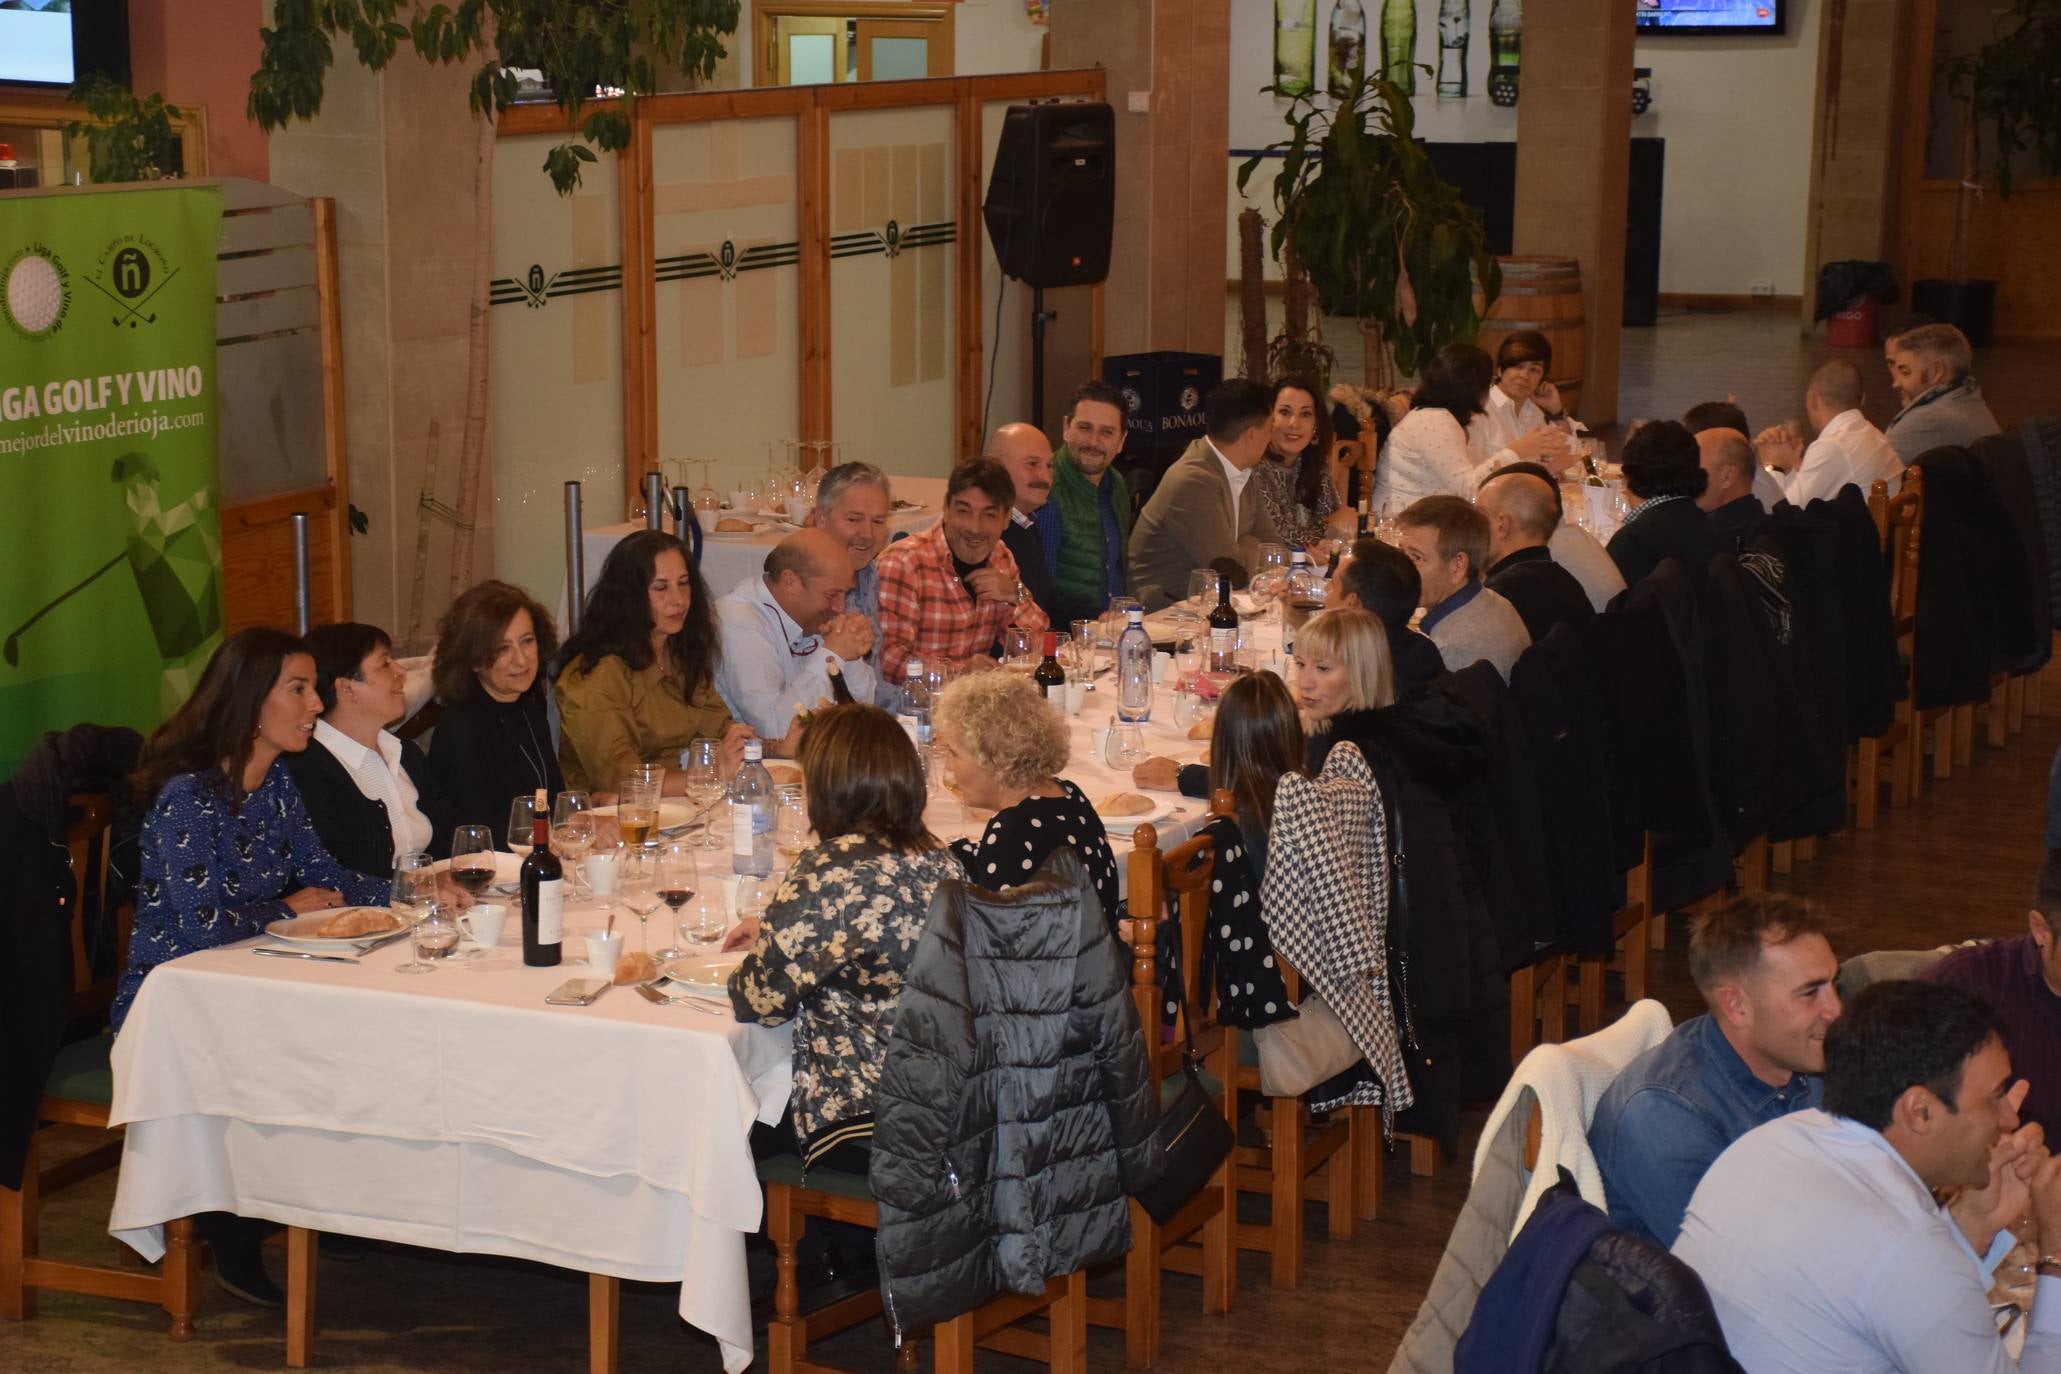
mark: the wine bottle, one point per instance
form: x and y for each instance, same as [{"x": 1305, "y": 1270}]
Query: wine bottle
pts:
[
  {"x": 1455, "y": 17},
  {"x": 1050, "y": 677},
  {"x": 1348, "y": 58},
  {"x": 1506, "y": 25},
  {"x": 1223, "y": 631},
  {"x": 543, "y": 894},
  {"x": 1399, "y": 44}
]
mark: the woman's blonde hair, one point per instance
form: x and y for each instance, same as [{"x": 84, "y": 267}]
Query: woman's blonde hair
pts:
[
  {"x": 1006, "y": 726},
  {"x": 1355, "y": 640}
]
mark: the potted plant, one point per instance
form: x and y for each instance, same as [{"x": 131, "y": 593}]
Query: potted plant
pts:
[
  {"x": 2007, "y": 85},
  {"x": 1380, "y": 236}
]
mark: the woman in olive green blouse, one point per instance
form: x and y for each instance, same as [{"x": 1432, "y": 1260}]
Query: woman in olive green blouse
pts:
[{"x": 638, "y": 682}]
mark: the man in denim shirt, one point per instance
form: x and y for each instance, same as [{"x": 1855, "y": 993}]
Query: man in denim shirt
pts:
[{"x": 1766, "y": 972}]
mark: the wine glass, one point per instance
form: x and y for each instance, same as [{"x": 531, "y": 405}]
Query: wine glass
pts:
[
  {"x": 790, "y": 823},
  {"x": 1188, "y": 655},
  {"x": 754, "y": 895},
  {"x": 522, "y": 820},
  {"x": 676, "y": 881},
  {"x": 472, "y": 858},
  {"x": 412, "y": 895},
  {"x": 572, "y": 831},
  {"x": 638, "y": 887},
  {"x": 1016, "y": 650},
  {"x": 1202, "y": 590},
  {"x": 706, "y": 497},
  {"x": 704, "y": 786}
]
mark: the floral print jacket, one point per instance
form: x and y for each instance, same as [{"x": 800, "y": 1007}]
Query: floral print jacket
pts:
[{"x": 831, "y": 955}]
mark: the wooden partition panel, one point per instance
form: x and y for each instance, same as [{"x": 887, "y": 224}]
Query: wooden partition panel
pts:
[
  {"x": 672, "y": 404},
  {"x": 257, "y": 560}
]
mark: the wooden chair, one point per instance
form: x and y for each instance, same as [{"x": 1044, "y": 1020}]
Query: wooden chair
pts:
[
  {"x": 1631, "y": 926},
  {"x": 1899, "y": 523},
  {"x": 1538, "y": 1005},
  {"x": 838, "y": 1196},
  {"x": 77, "y": 1093},
  {"x": 1175, "y": 887}
]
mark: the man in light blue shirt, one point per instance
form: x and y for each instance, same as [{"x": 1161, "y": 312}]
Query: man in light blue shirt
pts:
[
  {"x": 1766, "y": 971},
  {"x": 787, "y": 638},
  {"x": 1818, "y": 1237},
  {"x": 853, "y": 502}
]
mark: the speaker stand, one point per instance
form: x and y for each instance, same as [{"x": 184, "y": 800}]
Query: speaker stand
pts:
[{"x": 1039, "y": 317}]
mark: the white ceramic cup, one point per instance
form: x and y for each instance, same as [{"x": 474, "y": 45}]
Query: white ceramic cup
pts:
[
  {"x": 601, "y": 870},
  {"x": 797, "y": 510},
  {"x": 740, "y": 500},
  {"x": 1098, "y": 740},
  {"x": 482, "y": 923},
  {"x": 602, "y": 953},
  {"x": 1076, "y": 695},
  {"x": 1162, "y": 664}
]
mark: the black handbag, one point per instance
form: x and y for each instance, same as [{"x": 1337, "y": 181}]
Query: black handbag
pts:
[{"x": 1192, "y": 1135}]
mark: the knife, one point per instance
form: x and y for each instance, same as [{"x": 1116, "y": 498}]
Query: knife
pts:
[{"x": 303, "y": 954}]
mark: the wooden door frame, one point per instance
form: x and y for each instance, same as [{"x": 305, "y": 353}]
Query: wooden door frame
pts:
[{"x": 764, "y": 13}]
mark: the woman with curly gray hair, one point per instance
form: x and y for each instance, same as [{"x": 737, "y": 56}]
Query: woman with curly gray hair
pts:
[{"x": 1007, "y": 746}]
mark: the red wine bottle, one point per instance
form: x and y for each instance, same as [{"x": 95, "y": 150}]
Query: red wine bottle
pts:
[
  {"x": 543, "y": 894},
  {"x": 1050, "y": 677},
  {"x": 1223, "y": 631}
]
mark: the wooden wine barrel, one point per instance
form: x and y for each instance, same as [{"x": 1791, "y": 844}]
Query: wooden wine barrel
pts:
[{"x": 1543, "y": 294}]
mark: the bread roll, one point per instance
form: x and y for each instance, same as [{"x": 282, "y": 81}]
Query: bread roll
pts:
[
  {"x": 359, "y": 920},
  {"x": 635, "y": 968},
  {"x": 731, "y": 525},
  {"x": 1121, "y": 804},
  {"x": 1201, "y": 728}
]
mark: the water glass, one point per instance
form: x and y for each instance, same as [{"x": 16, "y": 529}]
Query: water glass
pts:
[
  {"x": 415, "y": 885},
  {"x": 636, "y": 803},
  {"x": 638, "y": 884},
  {"x": 572, "y": 830},
  {"x": 1202, "y": 590},
  {"x": 790, "y": 823},
  {"x": 1016, "y": 650},
  {"x": 704, "y": 787}
]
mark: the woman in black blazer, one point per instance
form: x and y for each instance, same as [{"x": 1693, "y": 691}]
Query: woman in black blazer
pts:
[
  {"x": 493, "y": 741},
  {"x": 371, "y": 796}
]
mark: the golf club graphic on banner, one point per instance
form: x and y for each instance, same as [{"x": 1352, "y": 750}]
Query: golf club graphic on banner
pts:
[{"x": 112, "y": 599}]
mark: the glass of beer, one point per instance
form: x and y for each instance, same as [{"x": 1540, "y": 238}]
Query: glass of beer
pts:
[{"x": 636, "y": 809}]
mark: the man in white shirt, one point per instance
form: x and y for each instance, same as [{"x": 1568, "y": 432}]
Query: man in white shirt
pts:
[
  {"x": 1204, "y": 513},
  {"x": 1817, "y": 1234},
  {"x": 787, "y": 639},
  {"x": 1847, "y": 450}
]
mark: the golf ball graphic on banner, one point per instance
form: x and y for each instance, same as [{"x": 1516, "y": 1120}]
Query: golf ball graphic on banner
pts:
[{"x": 35, "y": 292}]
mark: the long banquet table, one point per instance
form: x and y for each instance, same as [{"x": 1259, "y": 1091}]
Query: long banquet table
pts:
[{"x": 456, "y": 1111}]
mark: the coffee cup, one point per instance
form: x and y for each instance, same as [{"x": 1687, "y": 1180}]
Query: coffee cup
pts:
[
  {"x": 797, "y": 510},
  {"x": 1076, "y": 695},
  {"x": 740, "y": 500},
  {"x": 602, "y": 953},
  {"x": 482, "y": 923},
  {"x": 601, "y": 870}
]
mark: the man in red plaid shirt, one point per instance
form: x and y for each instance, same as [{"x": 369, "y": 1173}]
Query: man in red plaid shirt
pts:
[{"x": 947, "y": 594}]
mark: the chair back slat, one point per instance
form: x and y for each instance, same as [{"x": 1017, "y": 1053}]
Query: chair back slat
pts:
[
  {"x": 89, "y": 840},
  {"x": 1905, "y": 522}
]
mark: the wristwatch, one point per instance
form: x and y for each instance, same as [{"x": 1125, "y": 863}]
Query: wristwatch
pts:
[{"x": 2049, "y": 1266}]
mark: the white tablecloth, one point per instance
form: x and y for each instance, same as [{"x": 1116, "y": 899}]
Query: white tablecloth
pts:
[
  {"x": 727, "y": 559},
  {"x": 452, "y": 1110}
]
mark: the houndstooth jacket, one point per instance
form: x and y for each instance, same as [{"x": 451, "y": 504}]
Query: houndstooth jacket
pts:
[{"x": 1325, "y": 899}]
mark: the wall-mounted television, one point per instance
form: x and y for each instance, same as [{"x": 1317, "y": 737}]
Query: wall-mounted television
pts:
[
  {"x": 54, "y": 43},
  {"x": 1711, "y": 16}
]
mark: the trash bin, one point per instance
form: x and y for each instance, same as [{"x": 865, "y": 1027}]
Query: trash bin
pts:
[{"x": 1851, "y": 295}]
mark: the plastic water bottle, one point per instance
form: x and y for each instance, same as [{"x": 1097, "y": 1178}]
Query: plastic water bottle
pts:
[
  {"x": 752, "y": 801},
  {"x": 1134, "y": 670},
  {"x": 915, "y": 712}
]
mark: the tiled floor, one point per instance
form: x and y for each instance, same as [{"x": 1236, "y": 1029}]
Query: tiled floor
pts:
[{"x": 1961, "y": 862}]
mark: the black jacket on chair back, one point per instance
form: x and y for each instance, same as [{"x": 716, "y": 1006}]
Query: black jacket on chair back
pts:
[
  {"x": 1874, "y": 672},
  {"x": 2025, "y": 625},
  {"x": 1970, "y": 584},
  {"x": 1015, "y": 1112}
]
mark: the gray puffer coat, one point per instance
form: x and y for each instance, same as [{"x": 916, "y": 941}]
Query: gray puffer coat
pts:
[{"x": 1016, "y": 1111}]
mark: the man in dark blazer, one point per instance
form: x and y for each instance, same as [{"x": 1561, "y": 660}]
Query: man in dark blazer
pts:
[
  {"x": 1205, "y": 513},
  {"x": 1523, "y": 510},
  {"x": 1027, "y": 455}
]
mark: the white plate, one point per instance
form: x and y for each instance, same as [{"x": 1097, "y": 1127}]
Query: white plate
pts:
[
  {"x": 299, "y": 930},
  {"x": 707, "y": 975},
  {"x": 1124, "y": 825},
  {"x": 672, "y": 815}
]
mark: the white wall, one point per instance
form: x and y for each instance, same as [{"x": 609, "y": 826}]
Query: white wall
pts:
[{"x": 1736, "y": 114}]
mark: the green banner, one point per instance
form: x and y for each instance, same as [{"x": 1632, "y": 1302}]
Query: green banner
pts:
[{"x": 111, "y": 600}]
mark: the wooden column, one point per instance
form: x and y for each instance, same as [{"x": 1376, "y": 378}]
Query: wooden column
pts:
[
  {"x": 1166, "y": 275},
  {"x": 1854, "y": 141},
  {"x": 1574, "y": 148}
]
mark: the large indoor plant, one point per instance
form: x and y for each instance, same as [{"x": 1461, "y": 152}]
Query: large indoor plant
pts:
[
  {"x": 2007, "y": 89},
  {"x": 1359, "y": 208}
]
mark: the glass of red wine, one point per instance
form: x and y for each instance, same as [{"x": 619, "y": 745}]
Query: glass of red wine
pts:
[
  {"x": 678, "y": 881},
  {"x": 472, "y": 859}
]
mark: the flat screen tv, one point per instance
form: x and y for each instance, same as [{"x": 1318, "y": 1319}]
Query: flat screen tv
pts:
[
  {"x": 1711, "y": 16},
  {"x": 54, "y": 43}
]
